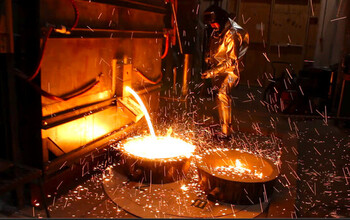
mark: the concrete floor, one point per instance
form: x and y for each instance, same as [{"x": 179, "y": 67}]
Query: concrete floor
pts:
[{"x": 315, "y": 175}]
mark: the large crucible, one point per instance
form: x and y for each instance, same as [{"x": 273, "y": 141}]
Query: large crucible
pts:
[
  {"x": 155, "y": 160},
  {"x": 236, "y": 177}
]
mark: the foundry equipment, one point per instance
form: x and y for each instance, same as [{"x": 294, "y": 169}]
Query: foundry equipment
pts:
[{"x": 236, "y": 177}]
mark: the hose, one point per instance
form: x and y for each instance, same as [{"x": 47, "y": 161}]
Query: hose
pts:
[
  {"x": 41, "y": 55},
  {"x": 147, "y": 79},
  {"x": 166, "y": 46},
  {"x": 84, "y": 89},
  {"x": 76, "y": 11}
]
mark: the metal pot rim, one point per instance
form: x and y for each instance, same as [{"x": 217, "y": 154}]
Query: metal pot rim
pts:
[
  {"x": 200, "y": 164},
  {"x": 161, "y": 160}
]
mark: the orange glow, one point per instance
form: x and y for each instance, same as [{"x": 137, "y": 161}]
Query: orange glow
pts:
[
  {"x": 153, "y": 147},
  {"x": 73, "y": 134},
  {"x": 238, "y": 169},
  {"x": 90, "y": 130},
  {"x": 158, "y": 148},
  {"x": 143, "y": 109}
]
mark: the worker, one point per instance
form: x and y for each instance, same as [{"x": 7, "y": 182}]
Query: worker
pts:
[{"x": 228, "y": 43}]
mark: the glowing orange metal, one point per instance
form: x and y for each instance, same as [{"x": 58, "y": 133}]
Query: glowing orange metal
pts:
[
  {"x": 153, "y": 147},
  {"x": 238, "y": 169}
]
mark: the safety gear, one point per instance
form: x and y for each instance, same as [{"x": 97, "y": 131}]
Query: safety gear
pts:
[
  {"x": 215, "y": 14},
  {"x": 226, "y": 48}
]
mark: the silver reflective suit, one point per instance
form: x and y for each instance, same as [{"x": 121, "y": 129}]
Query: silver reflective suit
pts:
[{"x": 226, "y": 50}]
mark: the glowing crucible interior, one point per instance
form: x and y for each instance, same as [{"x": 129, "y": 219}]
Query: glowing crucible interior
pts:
[
  {"x": 239, "y": 169},
  {"x": 156, "y": 147},
  {"x": 159, "y": 147}
]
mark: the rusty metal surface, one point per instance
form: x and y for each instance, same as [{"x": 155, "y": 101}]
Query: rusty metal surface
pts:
[
  {"x": 83, "y": 59},
  {"x": 156, "y": 6},
  {"x": 108, "y": 33},
  {"x": 99, "y": 15}
]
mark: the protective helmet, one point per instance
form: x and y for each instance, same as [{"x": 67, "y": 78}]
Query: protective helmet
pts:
[{"x": 215, "y": 14}]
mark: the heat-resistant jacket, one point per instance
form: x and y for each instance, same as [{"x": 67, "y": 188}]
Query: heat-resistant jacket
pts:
[{"x": 226, "y": 49}]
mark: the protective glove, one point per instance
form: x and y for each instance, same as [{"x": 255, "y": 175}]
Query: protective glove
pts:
[{"x": 207, "y": 74}]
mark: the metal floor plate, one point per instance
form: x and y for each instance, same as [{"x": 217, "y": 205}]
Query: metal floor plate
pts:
[{"x": 179, "y": 199}]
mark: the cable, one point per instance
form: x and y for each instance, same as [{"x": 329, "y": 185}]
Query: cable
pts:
[
  {"x": 148, "y": 80},
  {"x": 76, "y": 11},
  {"x": 41, "y": 55},
  {"x": 90, "y": 85},
  {"x": 81, "y": 91},
  {"x": 166, "y": 46},
  {"x": 66, "y": 97}
]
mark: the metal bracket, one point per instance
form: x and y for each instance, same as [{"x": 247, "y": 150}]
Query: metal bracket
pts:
[{"x": 123, "y": 70}]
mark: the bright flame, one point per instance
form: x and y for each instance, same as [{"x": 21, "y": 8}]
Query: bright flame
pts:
[
  {"x": 238, "y": 169},
  {"x": 159, "y": 148},
  {"x": 143, "y": 109}
]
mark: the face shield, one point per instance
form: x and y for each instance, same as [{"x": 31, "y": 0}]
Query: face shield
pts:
[
  {"x": 211, "y": 21},
  {"x": 209, "y": 18}
]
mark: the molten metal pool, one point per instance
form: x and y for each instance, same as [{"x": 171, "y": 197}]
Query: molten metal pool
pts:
[
  {"x": 236, "y": 177},
  {"x": 155, "y": 160},
  {"x": 166, "y": 148}
]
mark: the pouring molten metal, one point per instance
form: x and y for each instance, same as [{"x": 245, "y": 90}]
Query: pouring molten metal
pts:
[{"x": 155, "y": 159}]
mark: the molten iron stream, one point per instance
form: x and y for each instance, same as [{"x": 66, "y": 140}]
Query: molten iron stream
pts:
[
  {"x": 144, "y": 110},
  {"x": 154, "y": 147}
]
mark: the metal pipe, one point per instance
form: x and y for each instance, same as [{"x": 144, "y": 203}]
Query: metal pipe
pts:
[
  {"x": 177, "y": 27},
  {"x": 306, "y": 39},
  {"x": 238, "y": 5},
  {"x": 341, "y": 98},
  {"x": 186, "y": 73},
  {"x": 272, "y": 7},
  {"x": 9, "y": 26},
  {"x": 121, "y": 31},
  {"x": 91, "y": 32},
  {"x": 139, "y": 5},
  {"x": 174, "y": 79}
]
